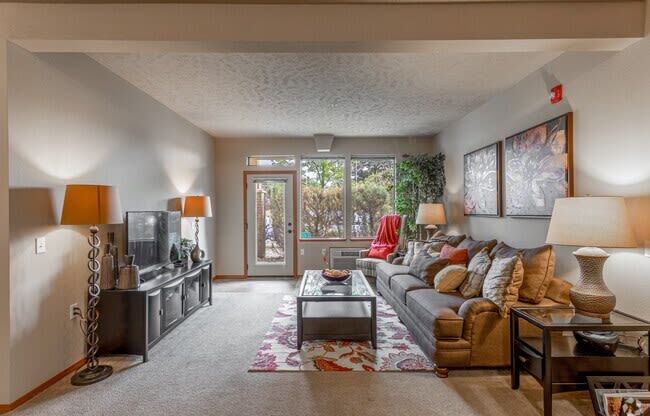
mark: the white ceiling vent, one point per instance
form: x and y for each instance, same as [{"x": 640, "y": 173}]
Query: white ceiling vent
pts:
[{"x": 323, "y": 142}]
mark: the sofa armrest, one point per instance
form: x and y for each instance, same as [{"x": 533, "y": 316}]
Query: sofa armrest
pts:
[
  {"x": 364, "y": 253},
  {"x": 391, "y": 257},
  {"x": 472, "y": 309}
]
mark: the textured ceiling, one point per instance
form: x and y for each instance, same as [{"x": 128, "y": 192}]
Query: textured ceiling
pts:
[{"x": 300, "y": 94}]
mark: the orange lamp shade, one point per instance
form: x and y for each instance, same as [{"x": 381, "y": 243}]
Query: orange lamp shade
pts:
[
  {"x": 91, "y": 205},
  {"x": 197, "y": 206}
]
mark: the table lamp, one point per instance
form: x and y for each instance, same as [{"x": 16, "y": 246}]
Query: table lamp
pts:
[
  {"x": 431, "y": 215},
  {"x": 198, "y": 207},
  {"x": 91, "y": 205},
  {"x": 593, "y": 222}
]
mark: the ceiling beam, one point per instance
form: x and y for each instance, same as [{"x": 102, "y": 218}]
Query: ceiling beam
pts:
[{"x": 233, "y": 26}]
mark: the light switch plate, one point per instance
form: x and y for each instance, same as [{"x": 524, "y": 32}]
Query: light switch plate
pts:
[
  {"x": 302, "y": 251},
  {"x": 41, "y": 245}
]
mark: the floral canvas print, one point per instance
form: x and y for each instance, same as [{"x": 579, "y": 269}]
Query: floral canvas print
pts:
[
  {"x": 482, "y": 181},
  {"x": 537, "y": 168}
]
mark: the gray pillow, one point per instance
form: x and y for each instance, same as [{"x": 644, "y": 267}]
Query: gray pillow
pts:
[
  {"x": 413, "y": 249},
  {"x": 503, "y": 281},
  {"x": 476, "y": 271},
  {"x": 425, "y": 267}
]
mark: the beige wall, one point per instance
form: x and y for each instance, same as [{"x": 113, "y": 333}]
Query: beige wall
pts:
[
  {"x": 4, "y": 230},
  {"x": 73, "y": 121},
  {"x": 610, "y": 99},
  {"x": 230, "y": 164}
]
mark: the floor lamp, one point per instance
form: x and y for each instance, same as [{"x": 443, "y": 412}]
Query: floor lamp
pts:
[{"x": 91, "y": 205}]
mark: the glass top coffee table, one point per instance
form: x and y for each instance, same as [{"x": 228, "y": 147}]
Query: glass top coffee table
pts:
[{"x": 336, "y": 311}]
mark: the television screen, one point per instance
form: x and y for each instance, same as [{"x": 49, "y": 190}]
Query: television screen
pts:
[{"x": 153, "y": 237}]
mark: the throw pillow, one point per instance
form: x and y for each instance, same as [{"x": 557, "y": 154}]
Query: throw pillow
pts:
[
  {"x": 476, "y": 272},
  {"x": 475, "y": 246},
  {"x": 452, "y": 240},
  {"x": 449, "y": 278},
  {"x": 425, "y": 267},
  {"x": 539, "y": 268},
  {"x": 558, "y": 290},
  {"x": 455, "y": 255},
  {"x": 503, "y": 281}
]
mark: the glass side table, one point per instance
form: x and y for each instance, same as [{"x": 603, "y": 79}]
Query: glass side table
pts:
[{"x": 553, "y": 357}]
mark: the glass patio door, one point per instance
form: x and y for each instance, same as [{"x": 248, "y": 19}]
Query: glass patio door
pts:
[{"x": 269, "y": 212}]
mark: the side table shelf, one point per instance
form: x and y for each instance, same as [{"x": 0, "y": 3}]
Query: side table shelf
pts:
[{"x": 555, "y": 359}]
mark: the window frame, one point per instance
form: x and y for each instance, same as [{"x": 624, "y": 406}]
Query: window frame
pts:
[
  {"x": 349, "y": 186},
  {"x": 344, "y": 190},
  {"x": 269, "y": 157}
]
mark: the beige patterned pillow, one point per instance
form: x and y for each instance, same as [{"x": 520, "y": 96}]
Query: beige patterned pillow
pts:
[
  {"x": 503, "y": 281},
  {"x": 449, "y": 278},
  {"x": 476, "y": 271}
]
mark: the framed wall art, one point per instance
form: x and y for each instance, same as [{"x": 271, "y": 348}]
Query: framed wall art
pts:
[
  {"x": 539, "y": 168},
  {"x": 482, "y": 181}
]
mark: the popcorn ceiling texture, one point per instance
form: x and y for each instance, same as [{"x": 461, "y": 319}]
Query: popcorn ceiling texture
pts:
[{"x": 300, "y": 94}]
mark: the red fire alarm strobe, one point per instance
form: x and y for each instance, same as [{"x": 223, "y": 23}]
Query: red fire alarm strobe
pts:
[{"x": 556, "y": 94}]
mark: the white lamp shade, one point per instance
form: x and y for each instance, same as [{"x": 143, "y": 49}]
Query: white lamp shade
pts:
[
  {"x": 91, "y": 205},
  {"x": 197, "y": 206},
  {"x": 592, "y": 222},
  {"x": 431, "y": 214}
]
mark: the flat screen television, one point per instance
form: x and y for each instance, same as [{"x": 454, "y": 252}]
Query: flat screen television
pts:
[{"x": 153, "y": 237}]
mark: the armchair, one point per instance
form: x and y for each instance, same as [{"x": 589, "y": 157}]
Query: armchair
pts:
[{"x": 368, "y": 265}]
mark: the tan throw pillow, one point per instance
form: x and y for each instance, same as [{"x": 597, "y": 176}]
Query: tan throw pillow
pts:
[
  {"x": 558, "y": 291},
  {"x": 425, "y": 267},
  {"x": 476, "y": 271},
  {"x": 449, "y": 278},
  {"x": 539, "y": 268},
  {"x": 503, "y": 281}
]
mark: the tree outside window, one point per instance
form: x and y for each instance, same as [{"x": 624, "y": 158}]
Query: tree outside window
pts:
[
  {"x": 322, "y": 182},
  {"x": 373, "y": 193}
]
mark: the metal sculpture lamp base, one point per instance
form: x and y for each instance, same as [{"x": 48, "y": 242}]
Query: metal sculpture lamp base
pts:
[
  {"x": 591, "y": 296},
  {"x": 93, "y": 371},
  {"x": 90, "y": 376}
]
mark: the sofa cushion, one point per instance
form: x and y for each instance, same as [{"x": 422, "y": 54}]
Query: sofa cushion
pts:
[
  {"x": 437, "y": 312},
  {"x": 426, "y": 267},
  {"x": 503, "y": 281},
  {"x": 455, "y": 255},
  {"x": 558, "y": 290},
  {"x": 539, "y": 268},
  {"x": 450, "y": 278},
  {"x": 475, "y": 246},
  {"x": 385, "y": 271},
  {"x": 403, "y": 283},
  {"x": 476, "y": 272}
]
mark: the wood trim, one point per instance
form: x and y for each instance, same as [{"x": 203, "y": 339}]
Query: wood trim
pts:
[
  {"x": 229, "y": 277},
  {"x": 321, "y": 240},
  {"x": 4, "y": 408},
  {"x": 294, "y": 175}
]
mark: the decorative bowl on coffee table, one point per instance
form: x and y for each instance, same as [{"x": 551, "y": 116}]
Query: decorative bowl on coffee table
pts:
[{"x": 332, "y": 275}]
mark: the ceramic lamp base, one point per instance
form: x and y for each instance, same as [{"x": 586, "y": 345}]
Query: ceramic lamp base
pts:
[{"x": 590, "y": 296}]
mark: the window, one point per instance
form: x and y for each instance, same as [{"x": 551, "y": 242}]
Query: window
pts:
[
  {"x": 322, "y": 182},
  {"x": 373, "y": 193},
  {"x": 271, "y": 161}
]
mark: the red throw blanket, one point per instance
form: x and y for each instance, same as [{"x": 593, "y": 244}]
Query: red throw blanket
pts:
[{"x": 387, "y": 237}]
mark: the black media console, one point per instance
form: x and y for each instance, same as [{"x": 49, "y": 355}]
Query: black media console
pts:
[{"x": 132, "y": 321}]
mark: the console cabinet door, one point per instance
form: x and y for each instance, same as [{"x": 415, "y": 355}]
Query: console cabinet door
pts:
[
  {"x": 154, "y": 312},
  {"x": 192, "y": 291},
  {"x": 172, "y": 300},
  {"x": 206, "y": 281}
]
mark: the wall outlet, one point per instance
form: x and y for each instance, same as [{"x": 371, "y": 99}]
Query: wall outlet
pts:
[
  {"x": 72, "y": 311},
  {"x": 41, "y": 245},
  {"x": 302, "y": 251}
]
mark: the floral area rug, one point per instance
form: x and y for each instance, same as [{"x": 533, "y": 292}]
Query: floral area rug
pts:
[{"x": 396, "y": 348}]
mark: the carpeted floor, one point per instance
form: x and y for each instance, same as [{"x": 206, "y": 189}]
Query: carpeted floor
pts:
[{"x": 201, "y": 369}]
